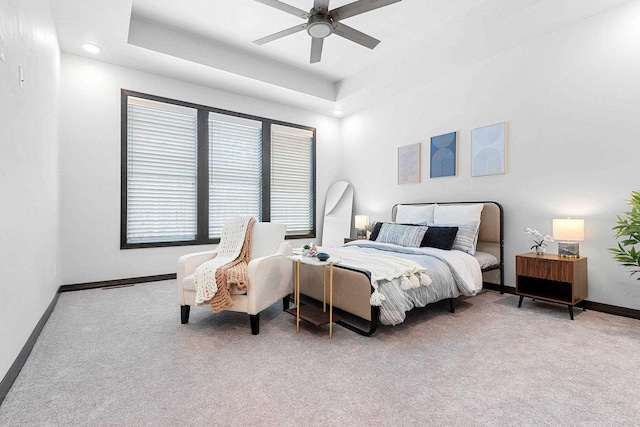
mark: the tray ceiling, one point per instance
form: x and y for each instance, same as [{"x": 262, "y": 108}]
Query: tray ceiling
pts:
[{"x": 210, "y": 43}]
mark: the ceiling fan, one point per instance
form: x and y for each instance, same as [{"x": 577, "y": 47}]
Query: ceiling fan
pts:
[{"x": 321, "y": 23}]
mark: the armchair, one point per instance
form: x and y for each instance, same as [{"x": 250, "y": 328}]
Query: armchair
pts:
[{"x": 269, "y": 273}]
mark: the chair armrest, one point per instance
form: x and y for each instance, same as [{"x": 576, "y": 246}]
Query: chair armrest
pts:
[
  {"x": 269, "y": 279},
  {"x": 187, "y": 264}
]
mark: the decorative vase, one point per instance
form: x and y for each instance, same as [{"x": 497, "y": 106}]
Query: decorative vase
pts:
[
  {"x": 305, "y": 252},
  {"x": 540, "y": 250}
]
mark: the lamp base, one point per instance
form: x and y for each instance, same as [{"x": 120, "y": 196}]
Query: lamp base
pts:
[{"x": 570, "y": 250}]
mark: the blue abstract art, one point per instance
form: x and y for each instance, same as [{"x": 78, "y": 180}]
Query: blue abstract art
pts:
[{"x": 443, "y": 155}]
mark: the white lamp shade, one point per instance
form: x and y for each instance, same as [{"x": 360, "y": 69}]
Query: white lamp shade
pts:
[
  {"x": 568, "y": 229},
  {"x": 362, "y": 221}
]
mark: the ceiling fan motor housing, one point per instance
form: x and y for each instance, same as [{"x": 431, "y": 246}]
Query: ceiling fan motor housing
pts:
[{"x": 320, "y": 26}]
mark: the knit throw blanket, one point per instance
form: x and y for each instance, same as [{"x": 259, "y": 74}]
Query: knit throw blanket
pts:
[{"x": 214, "y": 278}]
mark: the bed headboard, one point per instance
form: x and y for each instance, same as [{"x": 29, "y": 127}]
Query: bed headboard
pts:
[{"x": 490, "y": 234}]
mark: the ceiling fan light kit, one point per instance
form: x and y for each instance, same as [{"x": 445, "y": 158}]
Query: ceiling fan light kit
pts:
[
  {"x": 322, "y": 23},
  {"x": 319, "y": 26}
]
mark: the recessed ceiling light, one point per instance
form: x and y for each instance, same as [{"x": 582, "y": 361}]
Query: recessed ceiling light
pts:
[
  {"x": 91, "y": 48},
  {"x": 337, "y": 112}
]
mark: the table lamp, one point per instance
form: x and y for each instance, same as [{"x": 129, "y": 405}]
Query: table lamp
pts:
[
  {"x": 361, "y": 222},
  {"x": 570, "y": 230}
]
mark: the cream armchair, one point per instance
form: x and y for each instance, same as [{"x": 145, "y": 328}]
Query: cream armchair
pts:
[{"x": 269, "y": 274}]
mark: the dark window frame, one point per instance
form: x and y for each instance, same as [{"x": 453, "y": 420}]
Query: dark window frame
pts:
[{"x": 202, "y": 214}]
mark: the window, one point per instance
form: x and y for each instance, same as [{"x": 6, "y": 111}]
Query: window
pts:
[
  {"x": 161, "y": 172},
  {"x": 235, "y": 170},
  {"x": 187, "y": 169},
  {"x": 292, "y": 178}
]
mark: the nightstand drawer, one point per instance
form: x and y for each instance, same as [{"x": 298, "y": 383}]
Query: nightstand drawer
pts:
[{"x": 544, "y": 269}]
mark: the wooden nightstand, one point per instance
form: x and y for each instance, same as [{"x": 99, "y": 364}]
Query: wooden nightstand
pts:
[{"x": 551, "y": 278}]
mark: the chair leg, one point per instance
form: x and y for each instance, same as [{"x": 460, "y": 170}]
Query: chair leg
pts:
[
  {"x": 184, "y": 313},
  {"x": 255, "y": 323},
  {"x": 285, "y": 302}
]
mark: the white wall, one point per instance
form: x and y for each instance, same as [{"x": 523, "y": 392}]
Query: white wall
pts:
[
  {"x": 90, "y": 164},
  {"x": 28, "y": 171},
  {"x": 572, "y": 102}
]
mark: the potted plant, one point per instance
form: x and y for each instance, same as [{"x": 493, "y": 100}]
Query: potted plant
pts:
[
  {"x": 369, "y": 228},
  {"x": 539, "y": 242},
  {"x": 305, "y": 250},
  {"x": 628, "y": 229}
]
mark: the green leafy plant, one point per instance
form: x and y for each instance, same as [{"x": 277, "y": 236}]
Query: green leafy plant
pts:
[
  {"x": 307, "y": 247},
  {"x": 369, "y": 227},
  {"x": 628, "y": 229}
]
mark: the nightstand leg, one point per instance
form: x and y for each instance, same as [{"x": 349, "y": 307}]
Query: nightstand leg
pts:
[
  {"x": 571, "y": 312},
  {"x": 520, "y": 302}
]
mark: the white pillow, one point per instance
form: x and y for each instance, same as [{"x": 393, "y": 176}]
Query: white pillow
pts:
[
  {"x": 408, "y": 214},
  {"x": 457, "y": 214}
]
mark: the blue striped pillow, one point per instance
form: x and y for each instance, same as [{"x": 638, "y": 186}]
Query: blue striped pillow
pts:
[
  {"x": 467, "y": 236},
  {"x": 409, "y": 236}
]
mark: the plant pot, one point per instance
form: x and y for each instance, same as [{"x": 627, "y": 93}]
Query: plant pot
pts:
[
  {"x": 305, "y": 252},
  {"x": 540, "y": 250}
]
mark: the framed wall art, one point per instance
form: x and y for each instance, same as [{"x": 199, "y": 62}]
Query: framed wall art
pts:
[
  {"x": 409, "y": 164},
  {"x": 489, "y": 150},
  {"x": 443, "y": 155}
]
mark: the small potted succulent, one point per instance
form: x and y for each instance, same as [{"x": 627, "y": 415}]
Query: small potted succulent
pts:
[{"x": 305, "y": 250}]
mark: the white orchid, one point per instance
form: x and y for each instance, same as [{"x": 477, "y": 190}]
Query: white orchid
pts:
[{"x": 539, "y": 240}]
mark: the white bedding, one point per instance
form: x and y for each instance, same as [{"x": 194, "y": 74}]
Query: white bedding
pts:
[
  {"x": 452, "y": 273},
  {"x": 382, "y": 267}
]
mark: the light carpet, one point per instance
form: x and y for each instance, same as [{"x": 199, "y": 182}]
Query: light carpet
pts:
[{"x": 120, "y": 357}]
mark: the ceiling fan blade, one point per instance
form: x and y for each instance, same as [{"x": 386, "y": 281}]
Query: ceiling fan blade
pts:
[
  {"x": 316, "y": 49},
  {"x": 280, "y": 34},
  {"x": 321, "y": 6},
  {"x": 286, "y": 8},
  {"x": 355, "y": 35},
  {"x": 358, "y": 7}
]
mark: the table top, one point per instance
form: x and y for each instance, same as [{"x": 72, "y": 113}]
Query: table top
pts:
[
  {"x": 311, "y": 260},
  {"x": 554, "y": 257}
]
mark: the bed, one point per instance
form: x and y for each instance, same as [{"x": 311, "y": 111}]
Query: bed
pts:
[{"x": 354, "y": 290}]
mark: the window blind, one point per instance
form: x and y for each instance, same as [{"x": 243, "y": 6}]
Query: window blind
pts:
[
  {"x": 161, "y": 172},
  {"x": 292, "y": 178},
  {"x": 235, "y": 170}
]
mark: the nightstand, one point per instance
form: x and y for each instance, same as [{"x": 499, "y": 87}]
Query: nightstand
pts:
[{"x": 551, "y": 278}]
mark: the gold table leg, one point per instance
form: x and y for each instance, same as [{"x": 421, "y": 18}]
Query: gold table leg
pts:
[
  {"x": 330, "y": 300},
  {"x": 297, "y": 295},
  {"x": 324, "y": 288}
]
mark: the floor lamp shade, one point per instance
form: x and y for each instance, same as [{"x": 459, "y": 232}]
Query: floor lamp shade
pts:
[{"x": 571, "y": 230}]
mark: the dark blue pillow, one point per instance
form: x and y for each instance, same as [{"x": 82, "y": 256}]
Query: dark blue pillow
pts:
[
  {"x": 375, "y": 231},
  {"x": 440, "y": 237}
]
